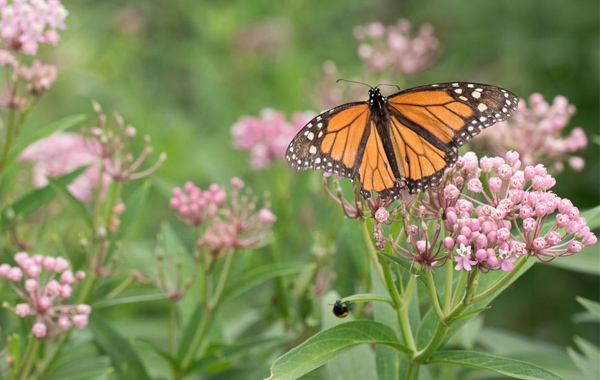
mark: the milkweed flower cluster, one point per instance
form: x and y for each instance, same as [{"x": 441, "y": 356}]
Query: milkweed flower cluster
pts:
[
  {"x": 267, "y": 136},
  {"x": 488, "y": 213},
  {"x": 393, "y": 47},
  {"x": 237, "y": 224},
  {"x": 24, "y": 24},
  {"x": 62, "y": 153},
  {"x": 536, "y": 133},
  {"x": 45, "y": 283}
]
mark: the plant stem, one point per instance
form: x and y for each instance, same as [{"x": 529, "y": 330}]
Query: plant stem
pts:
[
  {"x": 448, "y": 289},
  {"x": 413, "y": 371},
  {"x": 211, "y": 306},
  {"x": 283, "y": 297},
  {"x": 503, "y": 281},
  {"x": 434, "y": 343},
  {"x": 433, "y": 294},
  {"x": 400, "y": 304},
  {"x": 371, "y": 249},
  {"x": 173, "y": 328},
  {"x": 10, "y": 132},
  {"x": 29, "y": 357},
  {"x": 459, "y": 288}
]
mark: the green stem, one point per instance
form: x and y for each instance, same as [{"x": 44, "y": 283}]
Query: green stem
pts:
[
  {"x": 173, "y": 328},
  {"x": 371, "y": 249},
  {"x": 283, "y": 297},
  {"x": 448, "y": 289},
  {"x": 433, "y": 294},
  {"x": 404, "y": 317},
  {"x": 459, "y": 288},
  {"x": 10, "y": 132},
  {"x": 57, "y": 350},
  {"x": 413, "y": 371},
  {"x": 391, "y": 286},
  {"x": 503, "y": 281},
  {"x": 467, "y": 298},
  {"x": 211, "y": 306},
  {"x": 29, "y": 357},
  {"x": 434, "y": 343}
]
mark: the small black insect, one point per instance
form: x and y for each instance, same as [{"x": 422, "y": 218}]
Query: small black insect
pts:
[{"x": 341, "y": 309}]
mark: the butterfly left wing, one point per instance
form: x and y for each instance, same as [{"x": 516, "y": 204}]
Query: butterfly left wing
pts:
[
  {"x": 428, "y": 123},
  {"x": 334, "y": 141}
]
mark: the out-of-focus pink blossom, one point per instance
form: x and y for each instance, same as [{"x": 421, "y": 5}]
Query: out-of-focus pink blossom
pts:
[
  {"x": 394, "y": 47},
  {"x": 24, "y": 24},
  {"x": 267, "y": 136},
  {"x": 38, "y": 78},
  {"x": 44, "y": 296},
  {"x": 536, "y": 133},
  {"x": 62, "y": 153}
]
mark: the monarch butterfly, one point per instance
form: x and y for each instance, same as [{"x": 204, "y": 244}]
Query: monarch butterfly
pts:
[{"x": 407, "y": 140}]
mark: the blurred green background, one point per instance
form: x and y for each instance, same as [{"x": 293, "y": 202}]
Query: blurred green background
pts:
[{"x": 181, "y": 71}]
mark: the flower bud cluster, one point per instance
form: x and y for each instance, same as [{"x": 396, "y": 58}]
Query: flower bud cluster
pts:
[
  {"x": 267, "y": 136},
  {"x": 45, "y": 283},
  {"x": 536, "y": 133},
  {"x": 394, "y": 47}
]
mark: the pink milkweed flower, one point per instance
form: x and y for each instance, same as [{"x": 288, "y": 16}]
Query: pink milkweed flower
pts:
[
  {"x": 267, "y": 136},
  {"x": 62, "y": 153},
  {"x": 24, "y": 24},
  {"x": 463, "y": 259},
  {"x": 45, "y": 298},
  {"x": 536, "y": 133},
  {"x": 394, "y": 47}
]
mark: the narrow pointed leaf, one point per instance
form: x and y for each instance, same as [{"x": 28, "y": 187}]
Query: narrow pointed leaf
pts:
[
  {"x": 515, "y": 369},
  {"x": 76, "y": 203},
  {"x": 592, "y": 306},
  {"x": 329, "y": 344}
]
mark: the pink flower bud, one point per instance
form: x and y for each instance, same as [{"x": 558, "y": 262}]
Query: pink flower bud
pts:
[
  {"x": 61, "y": 264},
  {"x": 541, "y": 209},
  {"x": 33, "y": 270},
  {"x": 553, "y": 238},
  {"x": 503, "y": 234},
  {"x": 44, "y": 303},
  {"x": 504, "y": 171},
  {"x": 64, "y": 322},
  {"x": 66, "y": 291},
  {"x": 492, "y": 237},
  {"x": 421, "y": 246},
  {"x": 80, "y": 321},
  {"x": 37, "y": 259},
  {"x": 486, "y": 164},
  {"x": 31, "y": 285},
  {"x": 492, "y": 261},
  {"x": 448, "y": 242},
  {"x": 21, "y": 258},
  {"x": 451, "y": 217},
  {"x": 529, "y": 224},
  {"x": 540, "y": 170},
  {"x": 15, "y": 274},
  {"x": 589, "y": 239},
  {"x": 4, "y": 269},
  {"x": 49, "y": 263},
  {"x": 84, "y": 309},
  {"x": 497, "y": 162},
  {"x": 481, "y": 241},
  {"x": 562, "y": 220},
  {"x": 80, "y": 275},
  {"x": 462, "y": 239},
  {"x": 529, "y": 173},
  {"x": 53, "y": 288},
  {"x": 511, "y": 157},
  {"x": 572, "y": 227},
  {"x": 539, "y": 243},
  {"x": 574, "y": 246},
  {"x": 495, "y": 184},
  {"x": 475, "y": 185},
  {"x": 67, "y": 277},
  {"x": 236, "y": 183},
  {"x": 22, "y": 310},
  {"x": 481, "y": 254},
  {"x": 39, "y": 330},
  {"x": 266, "y": 216},
  {"x": 451, "y": 192}
]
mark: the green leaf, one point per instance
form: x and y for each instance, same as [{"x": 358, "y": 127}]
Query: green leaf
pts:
[
  {"x": 82, "y": 369},
  {"x": 331, "y": 343},
  {"x": 516, "y": 369},
  {"x": 592, "y": 217},
  {"x": 358, "y": 363},
  {"x": 29, "y": 135},
  {"x": 124, "y": 359},
  {"x": 586, "y": 364},
  {"x": 585, "y": 261},
  {"x": 240, "y": 347},
  {"x": 134, "y": 205},
  {"x": 367, "y": 297},
  {"x": 144, "y": 296},
  {"x": 590, "y": 351},
  {"x": 14, "y": 349},
  {"x": 34, "y": 200},
  {"x": 188, "y": 332},
  {"x": 261, "y": 274},
  {"x": 595, "y": 139},
  {"x": 76, "y": 203},
  {"x": 473, "y": 313},
  {"x": 592, "y": 306}
]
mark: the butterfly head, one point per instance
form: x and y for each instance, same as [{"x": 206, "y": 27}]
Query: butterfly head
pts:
[{"x": 376, "y": 100}]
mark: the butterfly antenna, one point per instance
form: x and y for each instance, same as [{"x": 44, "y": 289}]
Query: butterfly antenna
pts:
[
  {"x": 387, "y": 84},
  {"x": 352, "y": 81}
]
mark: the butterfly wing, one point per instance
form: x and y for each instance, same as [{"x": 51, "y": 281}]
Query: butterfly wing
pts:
[
  {"x": 334, "y": 141},
  {"x": 428, "y": 123}
]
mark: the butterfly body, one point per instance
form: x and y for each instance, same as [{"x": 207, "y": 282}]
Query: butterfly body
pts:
[{"x": 406, "y": 140}]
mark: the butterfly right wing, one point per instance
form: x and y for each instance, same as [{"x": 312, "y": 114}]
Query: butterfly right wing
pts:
[{"x": 334, "y": 141}]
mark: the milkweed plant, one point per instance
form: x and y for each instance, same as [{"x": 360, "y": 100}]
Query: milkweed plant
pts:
[{"x": 429, "y": 262}]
